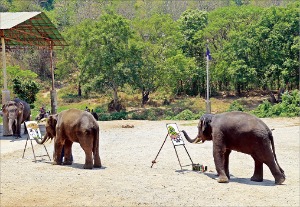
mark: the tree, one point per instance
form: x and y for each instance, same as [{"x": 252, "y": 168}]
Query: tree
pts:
[
  {"x": 104, "y": 54},
  {"x": 191, "y": 24},
  {"x": 157, "y": 39},
  {"x": 22, "y": 84}
]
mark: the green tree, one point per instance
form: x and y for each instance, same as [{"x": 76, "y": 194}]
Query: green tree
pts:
[
  {"x": 22, "y": 83},
  {"x": 104, "y": 54},
  {"x": 228, "y": 44},
  {"x": 192, "y": 22},
  {"x": 277, "y": 57},
  {"x": 25, "y": 90}
]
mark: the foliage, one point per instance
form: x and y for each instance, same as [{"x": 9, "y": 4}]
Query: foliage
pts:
[
  {"x": 236, "y": 106},
  {"x": 159, "y": 46},
  {"x": 187, "y": 115},
  {"x": 289, "y": 107},
  {"x": 25, "y": 90}
]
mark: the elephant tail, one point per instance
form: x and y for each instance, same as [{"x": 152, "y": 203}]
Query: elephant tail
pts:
[{"x": 273, "y": 148}]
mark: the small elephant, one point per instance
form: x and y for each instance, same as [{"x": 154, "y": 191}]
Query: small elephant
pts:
[
  {"x": 70, "y": 126},
  {"x": 240, "y": 132},
  {"x": 17, "y": 112}
]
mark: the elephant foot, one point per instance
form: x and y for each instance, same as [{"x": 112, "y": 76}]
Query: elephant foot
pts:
[
  {"x": 256, "y": 178},
  {"x": 88, "y": 166},
  {"x": 223, "y": 179},
  {"x": 56, "y": 163},
  {"x": 17, "y": 136},
  {"x": 97, "y": 165},
  {"x": 67, "y": 163},
  {"x": 280, "y": 180},
  {"x": 97, "y": 162}
]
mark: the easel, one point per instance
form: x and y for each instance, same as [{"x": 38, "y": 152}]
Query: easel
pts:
[
  {"x": 177, "y": 140},
  {"x": 33, "y": 133}
]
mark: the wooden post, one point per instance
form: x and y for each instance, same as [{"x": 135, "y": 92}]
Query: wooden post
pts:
[
  {"x": 53, "y": 91},
  {"x": 5, "y": 91}
]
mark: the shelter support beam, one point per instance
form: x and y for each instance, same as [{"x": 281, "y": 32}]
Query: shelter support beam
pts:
[
  {"x": 53, "y": 91},
  {"x": 5, "y": 92}
]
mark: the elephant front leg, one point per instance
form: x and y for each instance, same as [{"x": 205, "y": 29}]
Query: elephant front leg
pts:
[
  {"x": 258, "y": 171},
  {"x": 219, "y": 162},
  {"x": 57, "y": 153},
  {"x": 88, "y": 159}
]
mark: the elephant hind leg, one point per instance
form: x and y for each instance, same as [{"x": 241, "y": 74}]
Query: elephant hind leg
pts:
[
  {"x": 278, "y": 175},
  {"x": 88, "y": 156},
  {"x": 258, "y": 171},
  {"x": 68, "y": 158},
  {"x": 226, "y": 162},
  {"x": 97, "y": 161}
]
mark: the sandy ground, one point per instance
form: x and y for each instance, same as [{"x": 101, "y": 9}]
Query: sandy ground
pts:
[{"x": 126, "y": 178}]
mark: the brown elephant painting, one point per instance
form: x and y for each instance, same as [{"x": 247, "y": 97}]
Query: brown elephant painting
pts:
[
  {"x": 70, "y": 126},
  {"x": 240, "y": 132},
  {"x": 17, "y": 112}
]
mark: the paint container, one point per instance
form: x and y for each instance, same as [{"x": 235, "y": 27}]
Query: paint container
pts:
[{"x": 199, "y": 167}]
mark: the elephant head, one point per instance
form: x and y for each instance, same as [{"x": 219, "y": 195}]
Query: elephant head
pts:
[
  {"x": 13, "y": 112},
  {"x": 204, "y": 130},
  {"x": 50, "y": 129}
]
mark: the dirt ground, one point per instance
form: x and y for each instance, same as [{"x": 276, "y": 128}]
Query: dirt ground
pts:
[{"x": 127, "y": 179}]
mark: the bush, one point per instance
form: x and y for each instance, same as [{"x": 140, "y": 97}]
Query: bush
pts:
[
  {"x": 148, "y": 114},
  {"x": 112, "y": 116},
  {"x": 104, "y": 117},
  {"x": 187, "y": 115},
  {"x": 122, "y": 115},
  {"x": 236, "y": 106},
  {"x": 289, "y": 107}
]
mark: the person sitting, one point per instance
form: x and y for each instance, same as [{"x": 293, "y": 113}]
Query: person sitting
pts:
[{"x": 95, "y": 115}]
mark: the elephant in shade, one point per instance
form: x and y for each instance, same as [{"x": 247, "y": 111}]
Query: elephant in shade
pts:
[
  {"x": 70, "y": 126},
  {"x": 240, "y": 132},
  {"x": 17, "y": 112}
]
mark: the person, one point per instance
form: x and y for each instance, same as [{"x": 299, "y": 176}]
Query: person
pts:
[
  {"x": 95, "y": 115},
  {"x": 87, "y": 109},
  {"x": 42, "y": 114}
]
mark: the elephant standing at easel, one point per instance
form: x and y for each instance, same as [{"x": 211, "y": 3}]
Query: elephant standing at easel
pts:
[
  {"x": 17, "y": 112},
  {"x": 240, "y": 132},
  {"x": 71, "y": 126}
]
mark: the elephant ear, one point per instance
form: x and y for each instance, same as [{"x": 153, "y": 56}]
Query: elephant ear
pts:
[
  {"x": 53, "y": 120},
  {"x": 205, "y": 121},
  {"x": 21, "y": 108}
]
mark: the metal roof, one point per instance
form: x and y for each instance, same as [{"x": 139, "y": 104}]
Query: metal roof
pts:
[{"x": 29, "y": 28}]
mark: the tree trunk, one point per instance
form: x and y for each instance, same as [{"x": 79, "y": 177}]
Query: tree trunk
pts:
[
  {"x": 145, "y": 97},
  {"x": 115, "y": 89},
  {"x": 79, "y": 89}
]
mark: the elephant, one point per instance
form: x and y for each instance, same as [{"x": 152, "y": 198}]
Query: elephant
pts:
[
  {"x": 241, "y": 132},
  {"x": 70, "y": 126},
  {"x": 17, "y": 112}
]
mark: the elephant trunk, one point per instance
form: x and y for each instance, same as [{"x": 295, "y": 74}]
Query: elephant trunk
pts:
[
  {"x": 189, "y": 139},
  {"x": 10, "y": 126},
  {"x": 46, "y": 137}
]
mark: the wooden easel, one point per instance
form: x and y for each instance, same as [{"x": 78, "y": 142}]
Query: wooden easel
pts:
[
  {"x": 176, "y": 139},
  {"x": 33, "y": 133}
]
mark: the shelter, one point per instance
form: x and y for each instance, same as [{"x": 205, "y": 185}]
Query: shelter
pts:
[{"x": 22, "y": 29}]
